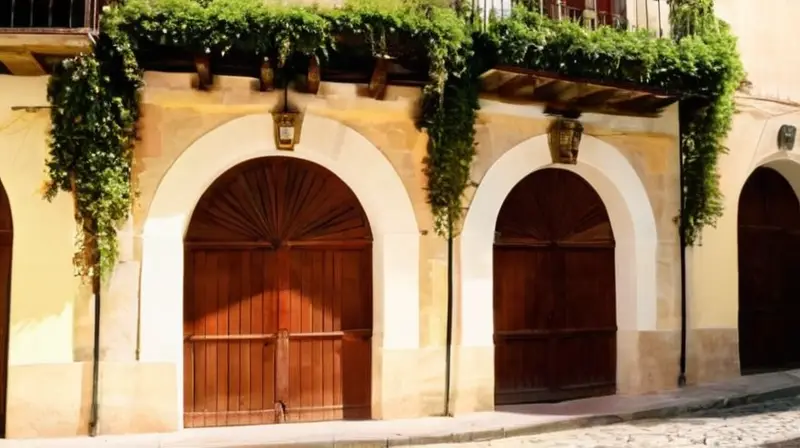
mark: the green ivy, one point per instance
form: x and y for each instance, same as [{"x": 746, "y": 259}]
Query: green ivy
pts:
[
  {"x": 705, "y": 125},
  {"x": 95, "y": 106},
  {"x": 449, "y": 119},
  {"x": 95, "y": 97},
  {"x": 701, "y": 66}
]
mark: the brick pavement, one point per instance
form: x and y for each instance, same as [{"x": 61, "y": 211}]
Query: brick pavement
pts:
[{"x": 771, "y": 424}]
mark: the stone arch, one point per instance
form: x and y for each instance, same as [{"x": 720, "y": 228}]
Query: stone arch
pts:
[
  {"x": 631, "y": 214},
  {"x": 328, "y": 143}
]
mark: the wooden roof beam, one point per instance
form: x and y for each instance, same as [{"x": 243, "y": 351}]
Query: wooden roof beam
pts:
[
  {"x": 21, "y": 63},
  {"x": 512, "y": 86}
]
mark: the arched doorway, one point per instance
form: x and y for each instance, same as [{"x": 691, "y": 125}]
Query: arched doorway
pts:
[
  {"x": 769, "y": 292},
  {"x": 554, "y": 292},
  {"x": 278, "y": 298},
  {"x": 6, "y": 239}
]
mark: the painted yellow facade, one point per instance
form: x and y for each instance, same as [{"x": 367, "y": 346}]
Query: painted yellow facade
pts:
[
  {"x": 770, "y": 101},
  {"x": 190, "y": 137}
]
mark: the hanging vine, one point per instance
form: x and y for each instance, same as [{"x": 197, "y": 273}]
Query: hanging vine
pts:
[
  {"x": 705, "y": 125},
  {"x": 701, "y": 66},
  {"x": 95, "y": 97}
]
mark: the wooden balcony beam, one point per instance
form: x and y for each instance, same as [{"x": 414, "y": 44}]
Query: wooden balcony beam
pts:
[
  {"x": 565, "y": 93},
  {"x": 22, "y": 53},
  {"x": 21, "y": 63}
]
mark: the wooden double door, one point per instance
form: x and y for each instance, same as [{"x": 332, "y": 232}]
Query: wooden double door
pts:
[
  {"x": 278, "y": 299},
  {"x": 554, "y": 292},
  {"x": 6, "y": 238},
  {"x": 769, "y": 258}
]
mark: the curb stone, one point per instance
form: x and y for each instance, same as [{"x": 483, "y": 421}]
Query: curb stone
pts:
[{"x": 541, "y": 428}]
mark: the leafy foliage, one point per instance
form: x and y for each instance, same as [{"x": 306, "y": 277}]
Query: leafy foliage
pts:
[
  {"x": 449, "y": 118},
  {"x": 701, "y": 66},
  {"x": 94, "y": 100},
  {"x": 705, "y": 126},
  {"x": 95, "y": 96}
]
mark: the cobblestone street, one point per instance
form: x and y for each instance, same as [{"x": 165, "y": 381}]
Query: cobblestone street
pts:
[{"x": 774, "y": 424}]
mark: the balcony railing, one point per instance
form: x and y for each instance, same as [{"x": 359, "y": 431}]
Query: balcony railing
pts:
[
  {"x": 592, "y": 13},
  {"x": 49, "y": 16}
]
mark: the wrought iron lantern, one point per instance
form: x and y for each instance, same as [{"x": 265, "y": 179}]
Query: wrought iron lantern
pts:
[
  {"x": 564, "y": 139},
  {"x": 786, "y": 137},
  {"x": 287, "y": 125}
]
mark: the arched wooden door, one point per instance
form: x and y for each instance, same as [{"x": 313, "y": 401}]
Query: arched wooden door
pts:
[
  {"x": 278, "y": 298},
  {"x": 769, "y": 257},
  {"x": 6, "y": 238},
  {"x": 554, "y": 292}
]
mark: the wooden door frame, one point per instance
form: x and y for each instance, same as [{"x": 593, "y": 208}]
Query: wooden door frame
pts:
[{"x": 6, "y": 239}]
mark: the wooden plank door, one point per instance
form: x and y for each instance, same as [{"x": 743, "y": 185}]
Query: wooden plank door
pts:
[
  {"x": 768, "y": 240},
  {"x": 230, "y": 343},
  {"x": 278, "y": 298},
  {"x": 554, "y": 292},
  {"x": 6, "y": 239},
  {"x": 329, "y": 334}
]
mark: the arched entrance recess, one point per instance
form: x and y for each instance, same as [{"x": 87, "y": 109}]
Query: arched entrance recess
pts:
[
  {"x": 325, "y": 142},
  {"x": 554, "y": 292},
  {"x": 6, "y": 238},
  {"x": 769, "y": 253},
  {"x": 278, "y": 298},
  {"x": 615, "y": 180}
]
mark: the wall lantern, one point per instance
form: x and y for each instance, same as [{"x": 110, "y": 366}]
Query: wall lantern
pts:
[
  {"x": 564, "y": 139},
  {"x": 786, "y": 136},
  {"x": 287, "y": 125}
]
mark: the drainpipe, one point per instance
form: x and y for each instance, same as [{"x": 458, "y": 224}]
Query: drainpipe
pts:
[
  {"x": 682, "y": 235},
  {"x": 449, "y": 319},
  {"x": 94, "y": 417}
]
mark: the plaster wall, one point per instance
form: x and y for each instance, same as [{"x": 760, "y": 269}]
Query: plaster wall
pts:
[
  {"x": 50, "y": 323},
  {"x": 769, "y": 101},
  {"x": 713, "y": 264},
  {"x": 199, "y": 134},
  {"x": 771, "y": 60}
]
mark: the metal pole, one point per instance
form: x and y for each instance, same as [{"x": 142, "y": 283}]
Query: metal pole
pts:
[
  {"x": 449, "y": 317},
  {"x": 94, "y": 417},
  {"x": 682, "y": 236}
]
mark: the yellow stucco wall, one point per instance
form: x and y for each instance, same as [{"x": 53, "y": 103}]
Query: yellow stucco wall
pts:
[
  {"x": 51, "y": 320},
  {"x": 772, "y": 68},
  {"x": 44, "y": 325}
]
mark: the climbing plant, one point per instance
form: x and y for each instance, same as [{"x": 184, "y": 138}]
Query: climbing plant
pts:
[
  {"x": 705, "y": 124},
  {"x": 94, "y": 99},
  {"x": 700, "y": 66},
  {"x": 95, "y": 96}
]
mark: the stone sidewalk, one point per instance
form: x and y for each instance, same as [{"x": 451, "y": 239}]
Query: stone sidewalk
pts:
[{"x": 507, "y": 421}]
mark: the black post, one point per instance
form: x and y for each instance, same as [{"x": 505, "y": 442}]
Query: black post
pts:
[
  {"x": 449, "y": 317},
  {"x": 682, "y": 235},
  {"x": 94, "y": 417}
]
